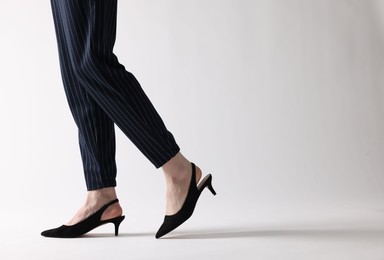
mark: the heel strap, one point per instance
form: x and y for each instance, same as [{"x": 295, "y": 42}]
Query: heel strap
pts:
[
  {"x": 192, "y": 184},
  {"x": 103, "y": 208},
  {"x": 193, "y": 168}
]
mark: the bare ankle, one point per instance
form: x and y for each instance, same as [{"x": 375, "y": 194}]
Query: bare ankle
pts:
[
  {"x": 102, "y": 194},
  {"x": 176, "y": 168}
]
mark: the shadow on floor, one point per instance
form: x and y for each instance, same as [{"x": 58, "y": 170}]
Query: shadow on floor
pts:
[
  {"x": 342, "y": 233},
  {"x": 345, "y": 233},
  {"x": 104, "y": 235}
]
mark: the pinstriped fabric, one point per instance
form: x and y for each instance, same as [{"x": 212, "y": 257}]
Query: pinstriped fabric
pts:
[{"x": 101, "y": 93}]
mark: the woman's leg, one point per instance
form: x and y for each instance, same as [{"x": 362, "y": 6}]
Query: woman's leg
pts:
[
  {"x": 89, "y": 29},
  {"x": 86, "y": 34},
  {"x": 95, "y": 132}
]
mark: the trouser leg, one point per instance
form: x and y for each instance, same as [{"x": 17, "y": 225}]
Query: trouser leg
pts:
[
  {"x": 89, "y": 31},
  {"x": 96, "y": 131}
]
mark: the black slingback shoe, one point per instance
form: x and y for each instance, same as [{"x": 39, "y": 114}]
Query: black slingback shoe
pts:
[
  {"x": 85, "y": 225},
  {"x": 173, "y": 221}
]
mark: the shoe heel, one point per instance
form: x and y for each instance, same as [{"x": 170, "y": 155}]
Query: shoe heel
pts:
[
  {"x": 210, "y": 187},
  {"x": 117, "y": 221}
]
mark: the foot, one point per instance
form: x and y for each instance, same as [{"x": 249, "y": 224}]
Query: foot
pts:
[
  {"x": 94, "y": 201},
  {"x": 177, "y": 182}
]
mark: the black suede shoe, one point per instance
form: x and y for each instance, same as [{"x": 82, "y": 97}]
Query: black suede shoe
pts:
[
  {"x": 85, "y": 225},
  {"x": 173, "y": 221}
]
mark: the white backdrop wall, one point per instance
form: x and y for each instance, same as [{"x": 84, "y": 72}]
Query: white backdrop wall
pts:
[{"x": 282, "y": 101}]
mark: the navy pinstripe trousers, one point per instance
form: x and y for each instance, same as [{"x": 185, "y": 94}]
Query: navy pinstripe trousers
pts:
[{"x": 101, "y": 92}]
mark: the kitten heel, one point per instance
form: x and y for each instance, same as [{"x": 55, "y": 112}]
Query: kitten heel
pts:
[
  {"x": 211, "y": 188},
  {"x": 117, "y": 221}
]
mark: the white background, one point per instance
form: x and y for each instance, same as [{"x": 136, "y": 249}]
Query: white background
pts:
[{"x": 282, "y": 101}]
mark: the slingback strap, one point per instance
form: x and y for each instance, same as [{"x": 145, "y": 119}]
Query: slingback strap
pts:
[
  {"x": 192, "y": 184},
  {"x": 103, "y": 208}
]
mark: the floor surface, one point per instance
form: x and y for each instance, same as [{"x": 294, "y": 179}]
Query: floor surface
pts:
[{"x": 306, "y": 234}]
